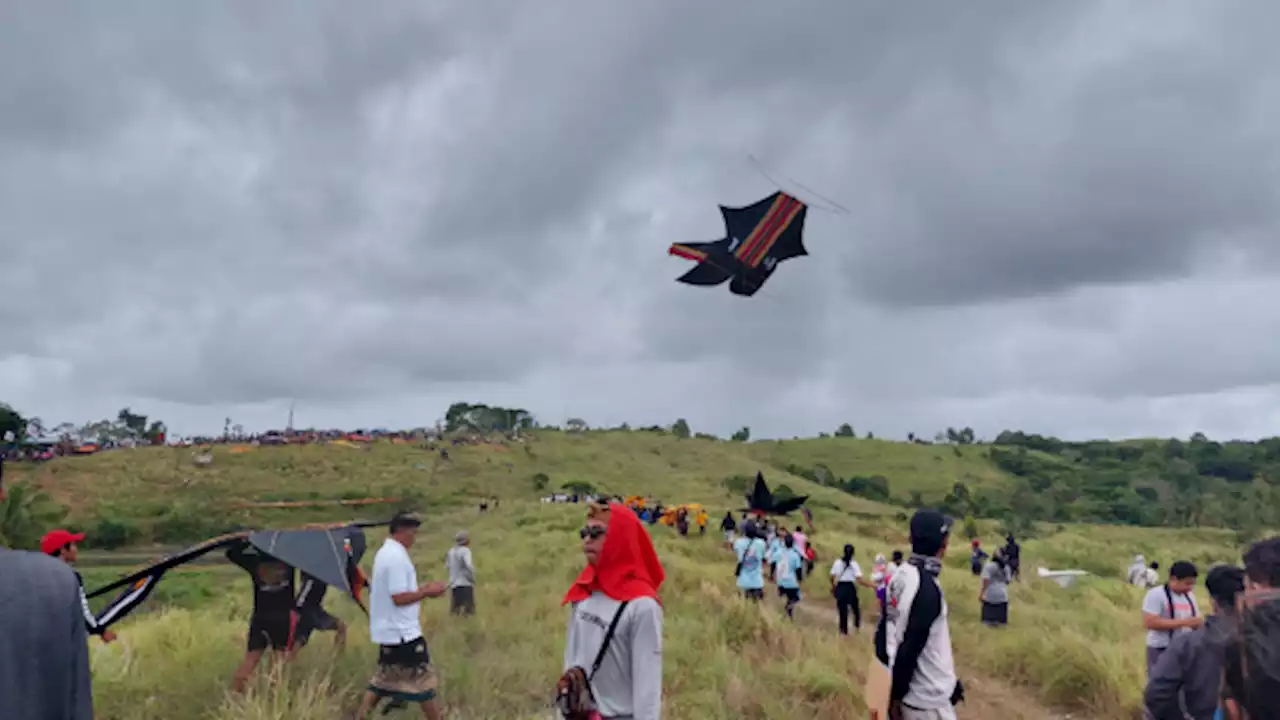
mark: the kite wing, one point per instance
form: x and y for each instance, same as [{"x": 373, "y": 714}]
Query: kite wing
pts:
[
  {"x": 137, "y": 587},
  {"x": 155, "y": 570},
  {"x": 785, "y": 507},
  {"x": 760, "y": 501},
  {"x": 319, "y": 552},
  {"x": 713, "y": 260},
  {"x": 758, "y": 237}
]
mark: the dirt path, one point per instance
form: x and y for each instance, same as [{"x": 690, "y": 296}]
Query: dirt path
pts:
[{"x": 985, "y": 698}]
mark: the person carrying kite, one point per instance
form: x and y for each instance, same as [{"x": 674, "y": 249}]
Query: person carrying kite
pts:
[
  {"x": 274, "y": 619},
  {"x": 309, "y": 607}
]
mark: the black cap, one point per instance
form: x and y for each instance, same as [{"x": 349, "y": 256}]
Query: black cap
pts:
[
  {"x": 1224, "y": 582},
  {"x": 403, "y": 520},
  {"x": 929, "y": 531}
]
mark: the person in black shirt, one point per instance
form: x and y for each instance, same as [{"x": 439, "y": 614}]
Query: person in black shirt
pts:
[
  {"x": 312, "y": 615},
  {"x": 273, "y": 621}
]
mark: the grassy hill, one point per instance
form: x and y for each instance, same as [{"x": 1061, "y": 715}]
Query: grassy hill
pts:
[{"x": 1074, "y": 652}]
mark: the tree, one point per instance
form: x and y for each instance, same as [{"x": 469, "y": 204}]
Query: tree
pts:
[
  {"x": 845, "y": 430},
  {"x": 135, "y": 425},
  {"x": 101, "y": 431},
  {"x": 680, "y": 429},
  {"x": 11, "y": 421},
  {"x": 576, "y": 425},
  {"x": 486, "y": 418},
  {"x": 742, "y": 435},
  {"x": 25, "y": 514}
]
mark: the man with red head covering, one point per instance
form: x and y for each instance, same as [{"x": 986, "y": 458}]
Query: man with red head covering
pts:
[{"x": 615, "y": 630}]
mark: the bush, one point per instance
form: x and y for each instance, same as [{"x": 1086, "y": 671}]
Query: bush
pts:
[
  {"x": 579, "y": 487},
  {"x": 541, "y": 481},
  {"x": 26, "y": 514},
  {"x": 737, "y": 484},
  {"x": 187, "y": 523},
  {"x": 109, "y": 533}
]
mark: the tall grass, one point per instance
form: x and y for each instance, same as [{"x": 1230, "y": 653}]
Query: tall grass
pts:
[{"x": 1078, "y": 649}]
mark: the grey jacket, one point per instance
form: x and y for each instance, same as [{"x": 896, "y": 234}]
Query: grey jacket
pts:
[
  {"x": 1189, "y": 674},
  {"x": 44, "y": 646}
]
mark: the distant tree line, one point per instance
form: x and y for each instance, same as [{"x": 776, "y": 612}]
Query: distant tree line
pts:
[
  {"x": 1167, "y": 482},
  {"x": 127, "y": 425}
]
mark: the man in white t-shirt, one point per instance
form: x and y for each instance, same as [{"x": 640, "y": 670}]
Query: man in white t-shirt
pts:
[
  {"x": 1170, "y": 609},
  {"x": 404, "y": 671}
]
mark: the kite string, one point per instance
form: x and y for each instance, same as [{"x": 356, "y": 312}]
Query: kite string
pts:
[{"x": 831, "y": 205}]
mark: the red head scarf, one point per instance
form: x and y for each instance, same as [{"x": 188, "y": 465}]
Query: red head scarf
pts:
[{"x": 628, "y": 566}]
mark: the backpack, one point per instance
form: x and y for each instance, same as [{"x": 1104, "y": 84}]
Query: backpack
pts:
[{"x": 1168, "y": 596}]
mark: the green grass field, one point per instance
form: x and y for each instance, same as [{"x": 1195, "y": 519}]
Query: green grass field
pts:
[{"x": 1075, "y": 652}]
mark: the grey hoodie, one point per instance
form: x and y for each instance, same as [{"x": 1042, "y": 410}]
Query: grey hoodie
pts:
[
  {"x": 44, "y": 650},
  {"x": 1189, "y": 673},
  {"x": 629, "y": 683}
]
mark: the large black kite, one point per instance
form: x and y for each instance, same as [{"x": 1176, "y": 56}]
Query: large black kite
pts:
[
  {"x": 757, "y": 238},
  {"x": 330, "y": 553}
]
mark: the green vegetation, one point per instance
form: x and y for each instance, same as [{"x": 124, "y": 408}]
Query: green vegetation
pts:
[
  {"x": 1017, "y": 479},
  {"x": 1077, "y": 650}
]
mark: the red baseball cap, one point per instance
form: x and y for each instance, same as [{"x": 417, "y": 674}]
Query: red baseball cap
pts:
[{"x": 55, "y": 540}]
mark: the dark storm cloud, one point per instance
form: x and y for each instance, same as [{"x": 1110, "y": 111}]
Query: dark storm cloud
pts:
[
  {"x": 1117, "y": 171},
  {"x": 351, "y": 204}
]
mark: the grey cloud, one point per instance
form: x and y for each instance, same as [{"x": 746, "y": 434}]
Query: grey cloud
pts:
[
  {"x": 1122, "y": 174},
  {"x": 223, "y": 206}
]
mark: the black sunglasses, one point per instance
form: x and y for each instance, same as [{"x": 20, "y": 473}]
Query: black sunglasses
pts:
[{"x": 594, "y": 531}]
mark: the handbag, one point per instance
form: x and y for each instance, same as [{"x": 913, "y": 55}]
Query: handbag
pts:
[{"x": 574, "y": 697}]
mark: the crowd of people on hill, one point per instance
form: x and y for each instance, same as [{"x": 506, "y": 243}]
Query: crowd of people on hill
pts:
[{"x": 1220, "y": 666}]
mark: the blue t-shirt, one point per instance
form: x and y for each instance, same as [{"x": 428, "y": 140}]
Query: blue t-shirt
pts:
[
  {"x": 775, "y": 549},
  {"x": 751, "y": 554},
  {"x": 789, "y": 564}
]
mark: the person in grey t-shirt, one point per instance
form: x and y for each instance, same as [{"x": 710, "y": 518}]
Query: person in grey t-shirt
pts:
[
  {"x": 44, "y": 656},
  {"x": 462, "y": 575},
  {"x": 1170, "y": 609}
]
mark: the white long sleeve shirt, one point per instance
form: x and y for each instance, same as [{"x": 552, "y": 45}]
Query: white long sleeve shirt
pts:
[{"x": 628, "y": 685}]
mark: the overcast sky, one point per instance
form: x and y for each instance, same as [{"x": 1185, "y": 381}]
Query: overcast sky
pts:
[{"x": 1062, "y": 215}]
